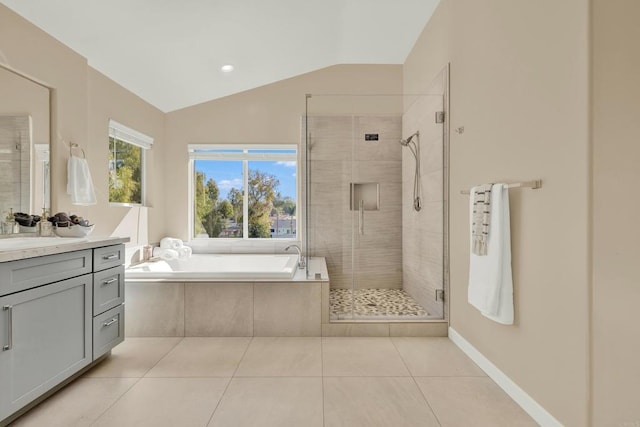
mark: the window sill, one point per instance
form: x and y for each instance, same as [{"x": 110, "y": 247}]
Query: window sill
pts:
[{"x": 128, "y": 205}]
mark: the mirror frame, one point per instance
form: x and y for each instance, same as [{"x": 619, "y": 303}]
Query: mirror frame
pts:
[{"x": 53, "y": 125}]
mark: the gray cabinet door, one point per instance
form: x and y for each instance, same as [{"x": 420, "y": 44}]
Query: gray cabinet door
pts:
[{"x": 45, "y": 337}]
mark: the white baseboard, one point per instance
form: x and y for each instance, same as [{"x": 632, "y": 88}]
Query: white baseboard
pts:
[{"x": 530, "y": 406}]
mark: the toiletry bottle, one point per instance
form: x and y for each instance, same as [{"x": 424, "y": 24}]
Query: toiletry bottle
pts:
[
  {"x": 9, "y": 223},
  {"x": 46, "y": 229}
]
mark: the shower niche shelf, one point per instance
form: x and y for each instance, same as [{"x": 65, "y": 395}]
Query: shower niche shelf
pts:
[{"x": 367, "y": 194}]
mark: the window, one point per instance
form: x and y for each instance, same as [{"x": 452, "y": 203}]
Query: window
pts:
[
  {"x": 243, "y": 192},
  {"x": 126, "y": 164}
]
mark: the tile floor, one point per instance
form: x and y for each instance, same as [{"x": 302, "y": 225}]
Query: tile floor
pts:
[{"x": 298, "y": 382}]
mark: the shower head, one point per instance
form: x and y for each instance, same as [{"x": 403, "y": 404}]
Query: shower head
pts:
[{"x": 405, "y": 142}]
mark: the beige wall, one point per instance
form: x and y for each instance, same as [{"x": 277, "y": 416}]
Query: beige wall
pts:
[
  {"x": 83, "y": 101},
  {"x": 616, "y": 233},
  {"x": 269, "y": 114},
  {"x": 108, "y": 100},
  {"x": 519, "y": 80}
]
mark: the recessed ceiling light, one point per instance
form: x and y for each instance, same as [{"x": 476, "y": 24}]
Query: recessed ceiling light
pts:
[{"x": 226, "y": 68}]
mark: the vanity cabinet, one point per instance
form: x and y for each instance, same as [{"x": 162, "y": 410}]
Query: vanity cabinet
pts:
[
  {"x": 45, "y": 339},
  {"x": 58, "y": 313}
]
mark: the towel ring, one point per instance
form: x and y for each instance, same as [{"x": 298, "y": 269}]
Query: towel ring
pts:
[{"x": 74, "y": 145}]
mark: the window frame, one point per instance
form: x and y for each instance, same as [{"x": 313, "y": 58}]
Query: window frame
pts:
[
  {"x": 245, "y": 157},
  {"x": 131, "y": 136}
]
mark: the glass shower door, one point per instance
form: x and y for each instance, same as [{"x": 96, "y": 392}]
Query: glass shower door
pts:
[
  {"x": 398, "y": 238},
  {"x": 330, "y": 223},
  {"x": 386, "y": 260}
]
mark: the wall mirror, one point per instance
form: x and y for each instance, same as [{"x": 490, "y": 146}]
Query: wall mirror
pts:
[{"x": 24, "y": 144}]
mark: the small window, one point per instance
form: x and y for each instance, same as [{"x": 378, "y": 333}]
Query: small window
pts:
[
  {"x": 244, "y": 193},
  {"x": 127, "y": 149}
]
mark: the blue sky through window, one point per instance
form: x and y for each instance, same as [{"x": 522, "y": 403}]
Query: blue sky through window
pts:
[{"x": 228, "y": 174}]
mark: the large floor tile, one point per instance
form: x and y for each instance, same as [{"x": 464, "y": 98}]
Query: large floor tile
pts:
[
  {"x": 437, "y": 357},
  {"x": 375, "y": 357},
  {"x": 202, "y": 357},
  {"x": 78, "y": 404},
  {"x": 267, "y": 402},
  {"x": 170, "y": 402},
  {"x": 479, "y": 402},
  {"x": 134, "y": 357},
  {"x": 288, "y": 357},
  {"x": 370, "y": 402}
]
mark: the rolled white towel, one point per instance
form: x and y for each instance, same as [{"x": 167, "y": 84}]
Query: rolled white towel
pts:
[
  {"x": 184, "y": 252},
  {"x": 165, "y": 243},
  {"x": 169, "y": 254},
  {"x": 171, "y": 243},
  {"x": 165, "y": 254}
]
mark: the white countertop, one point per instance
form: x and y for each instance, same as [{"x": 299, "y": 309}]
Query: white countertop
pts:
[{"x": 16, "y": 248}]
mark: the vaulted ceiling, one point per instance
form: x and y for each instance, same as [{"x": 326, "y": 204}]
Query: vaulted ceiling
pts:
[{"x": 170, "y": 52}]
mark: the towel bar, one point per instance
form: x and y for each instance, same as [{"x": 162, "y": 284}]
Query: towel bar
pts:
[{"x": 534, "y": 185}]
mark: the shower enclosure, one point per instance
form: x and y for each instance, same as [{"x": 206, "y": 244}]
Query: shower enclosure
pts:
[{"x": 375, "y": 169}]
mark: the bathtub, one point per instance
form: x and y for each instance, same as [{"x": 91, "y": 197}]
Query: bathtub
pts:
[{"x": 216, "y": 267}]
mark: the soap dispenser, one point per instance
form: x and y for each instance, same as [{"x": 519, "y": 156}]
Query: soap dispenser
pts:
[
  {"x": 9, "y": 223},
  {"x": 45, "y": 228}
]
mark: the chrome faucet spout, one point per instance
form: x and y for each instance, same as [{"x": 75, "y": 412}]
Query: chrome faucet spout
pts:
[{"x": 301, "y": 260}]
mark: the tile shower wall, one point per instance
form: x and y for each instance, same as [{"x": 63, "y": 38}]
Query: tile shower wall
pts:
[
  {"x": 423, "y": 231},
  {"x": 338, "y": 156},
  {"x": 15, "y": 166}
]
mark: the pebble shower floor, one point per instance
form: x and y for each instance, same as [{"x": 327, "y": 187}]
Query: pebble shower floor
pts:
[{"x": 387, "y": 304}]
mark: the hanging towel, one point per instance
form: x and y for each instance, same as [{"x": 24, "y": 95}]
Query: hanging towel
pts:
[
  {"x": 481, "y": 218},
  {"x": 79, "y": 183},
  {"x": 490, "y": 279}
]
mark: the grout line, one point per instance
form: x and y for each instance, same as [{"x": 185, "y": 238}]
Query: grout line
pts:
[
  {"x": 165, "y": 355},
  {"x": 413, "y": 378},
  {"x": 230, "y": 379},
  {"x": 132, "y": 385},
  {"x": 115, "y": 401}
]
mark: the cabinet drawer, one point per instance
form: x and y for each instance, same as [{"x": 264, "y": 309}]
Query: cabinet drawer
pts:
[
  {"x": 108, "y": 289},
  {"x": 32, "y": 272},
  {"x": 107, "y": 257},
  {"x": 108, "y": 330}
]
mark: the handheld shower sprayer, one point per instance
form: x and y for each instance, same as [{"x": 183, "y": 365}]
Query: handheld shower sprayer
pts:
[{"x": 414, "y": 147}]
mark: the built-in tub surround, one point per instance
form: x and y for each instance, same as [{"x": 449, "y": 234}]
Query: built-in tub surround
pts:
[{"x": 203, "y": 306}]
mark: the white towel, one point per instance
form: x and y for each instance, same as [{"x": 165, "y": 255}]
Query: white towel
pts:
[
  {"x": 165, "y": 254},
  {"x": 79, "y": 183},
  {"x": 184, "y": 252},
  {"x": 171, "y": 243},
  {"x": 490, "y": 279}
]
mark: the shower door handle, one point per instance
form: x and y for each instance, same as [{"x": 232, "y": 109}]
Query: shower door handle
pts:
[{"x": 361, "y": 218}]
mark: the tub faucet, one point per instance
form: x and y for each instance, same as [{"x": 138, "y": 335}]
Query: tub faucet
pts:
[{"x": 301, "y": 261}]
